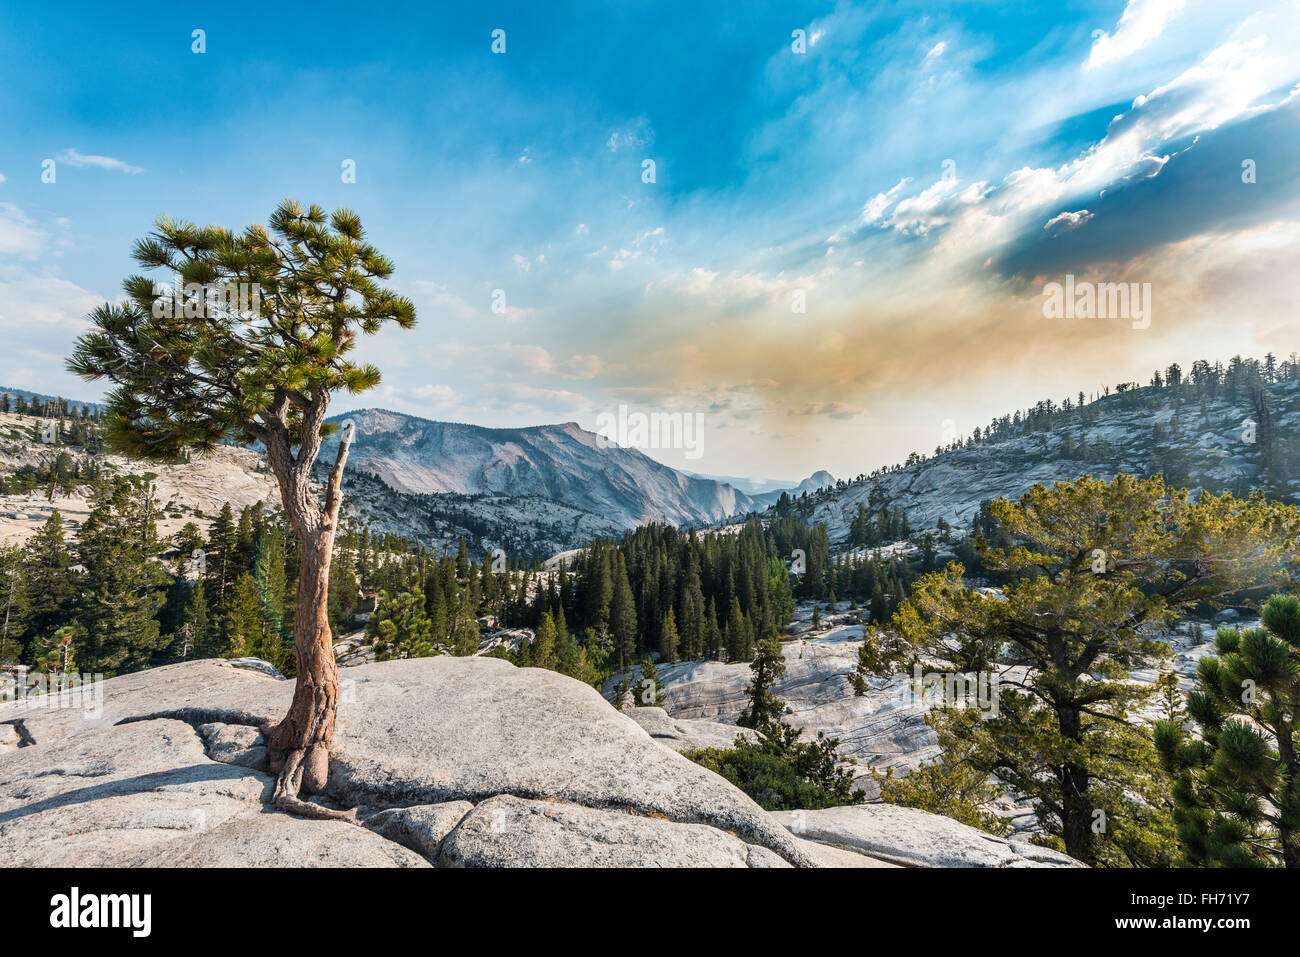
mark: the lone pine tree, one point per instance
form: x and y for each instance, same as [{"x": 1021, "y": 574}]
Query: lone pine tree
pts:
[{"x": 194, "y": 366}]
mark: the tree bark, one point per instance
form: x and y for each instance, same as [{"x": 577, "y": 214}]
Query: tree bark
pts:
[
  {"x": 1076, "y": 815},
  {"x": 307, "y": 731},
  {"x": 298, "y": 746}
]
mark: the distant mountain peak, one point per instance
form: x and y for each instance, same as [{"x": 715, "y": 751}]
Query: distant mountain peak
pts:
[{"x": 562, "y": 462}]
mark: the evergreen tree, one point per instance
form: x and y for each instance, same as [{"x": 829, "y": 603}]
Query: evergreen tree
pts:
[
  {"x": 56, "y": 653},
  {"x": 14, "y": 604},
  {"x": 668, "y": 638},
  {"x": 649, "y": 690},
  {"x": 1237, "y": 784},
  {"x": 196, "y": 642},
  {"x": 765, "y": 710},
  {"x": 1100, "y": 564},
  {"x": 543, "y": 654},
  {"x": 622, "y": 611},
  {"x": 121, "y": 588},
  {"x": 49, "y": 584},
  {"x": 399, "y": 628},
  {"x": 465, "y": 640},
  {"x": 192, "y": 374}
]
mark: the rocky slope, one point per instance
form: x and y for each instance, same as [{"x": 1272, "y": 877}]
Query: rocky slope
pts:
[
  {"x": 562, "y": 463},
  {"x": 527, "y": 528},
  {"x": 188, "y": 492},
  {"x": 1194, "y": 444},
  {"x": 883, "y": 728},
  {"x": 449, "y": 762}
]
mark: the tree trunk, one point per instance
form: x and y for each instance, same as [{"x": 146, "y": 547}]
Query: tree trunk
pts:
[
  {"x": 1076, "y": 814},
  {"x": 298, "y": 747}
]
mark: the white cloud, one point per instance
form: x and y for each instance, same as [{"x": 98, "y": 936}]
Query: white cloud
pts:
[
  {"x": 434, "y": 393},
  {"x": 737, "y": 286},
  {"x": 1068, "y": 220},
  {"x": 521, "y": 357},
  {"x": 73, "y": 158},
  {"x": 1141, "y": 23},
  {"x": 874, "y": 209},
  {"x": 1231, "y": 82},
  {"x": 936, "y": 205},
  {"x": 26, "y": 299},
  {"x": 936, "y": 51},
  {"x": 19, "y": 235}
]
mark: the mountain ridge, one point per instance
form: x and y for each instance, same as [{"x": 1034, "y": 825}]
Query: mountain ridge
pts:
[{"x": 562, "y": 462}]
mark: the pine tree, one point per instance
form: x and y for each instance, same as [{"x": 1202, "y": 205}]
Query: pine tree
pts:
[
  {"x": 197, "y": 642},
  {"x": 49, "y": 584},
  {"x": 14, "y": 604},
  {"x": 57, "y": 652},
  {"x": 399, "y": 627},
  {"x": 1237, "y": 784},
  {"x": 649, "y": 691},
  {"x": 668, "y": 640},
  {"x": 273, "y": 587},
  {"x": 765, "y": 710},
  {"x": 465, "y": 640},
  {"x": 190, "y": 373},
  {"x": 122, "y": 588},
  {"x": 622, "y": 612},
  {"x": 1102, "y": 564},
  {"x": 543, "y": 649}
]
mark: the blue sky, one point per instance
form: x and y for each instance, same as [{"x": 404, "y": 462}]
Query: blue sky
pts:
[{"x": 914, "y": 178}]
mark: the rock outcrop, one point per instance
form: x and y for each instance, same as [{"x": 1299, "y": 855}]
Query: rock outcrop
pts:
[
  {"x": 885, "y": 728},
  {"x": 169, "y": 768},
  {"x": 447, "y": 761},
  {"x": 914, "y": 838},
  {"x": 684, "y": 734}
]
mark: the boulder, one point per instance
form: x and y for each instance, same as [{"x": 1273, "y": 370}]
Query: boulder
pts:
[
  {"x": 687, "y": 734},
  {"x": 145, "y": 794},
  {"x": 252, "y": 664},
  {"x": 430, "y": 730},
  {"x": 421, "y": 828},
  {"x": 827, "y": 855},
  {"x": 915, "y": 838},
  {"x": 278, "y": 840},
  {"x": 110, "y": 796},
  {"x": 508, "y": 831},
  {"x": 234, "y": 744}
]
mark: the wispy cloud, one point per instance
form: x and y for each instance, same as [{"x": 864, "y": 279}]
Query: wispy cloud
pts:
[{"x": 80, "y": 160}]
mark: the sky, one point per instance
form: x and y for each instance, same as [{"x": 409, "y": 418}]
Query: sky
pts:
[{"x": 825, "y": 229}]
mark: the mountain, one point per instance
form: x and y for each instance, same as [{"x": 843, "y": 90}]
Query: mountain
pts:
[
  {"x": 31, "y": 396},
  {"x": 1215, "y": 438},
  {"x": 818, "y": 480},
  {"x": 766, "y": 491},
  {"x": 562, "y": 463}
]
